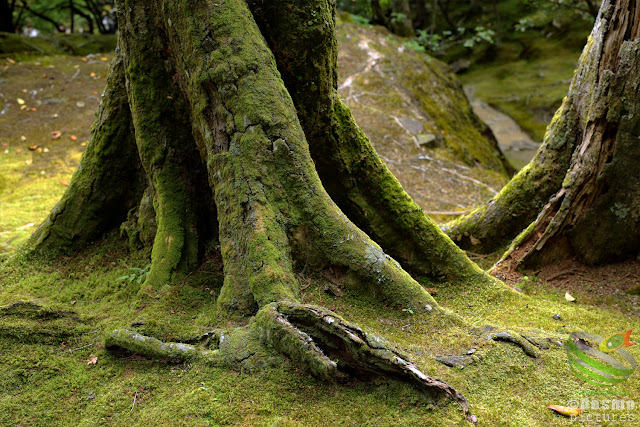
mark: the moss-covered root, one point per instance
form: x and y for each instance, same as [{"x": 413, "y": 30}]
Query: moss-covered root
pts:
[
  {"x": 108, "y": 183},
  {"x": 314, "y": 338},
  {"x": 355, "y": 351},
  {"x": 595, "y": 215},
  {"x": 355, "y": 177},
  {"x": 166, "y": 145},
  {"x": 529, "y": 341}
]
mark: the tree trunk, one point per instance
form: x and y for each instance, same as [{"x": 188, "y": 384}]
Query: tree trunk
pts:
[
  {"x": 595, "y": 214},
  {"x": 401, "y": 23},
  {"x": 580, "y": 186},
  {"x": 216, "y": 134},
  {"x": 379, "y": 17},
  {"x": 6, "y": 17}
]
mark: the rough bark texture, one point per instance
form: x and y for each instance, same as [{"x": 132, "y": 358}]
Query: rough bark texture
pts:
[
  {"x": 595, "y": 214},
  {"x": 201, "y": 129},
  {"x": 350, "y": 170},
  {"x": 582, "y": 177}
]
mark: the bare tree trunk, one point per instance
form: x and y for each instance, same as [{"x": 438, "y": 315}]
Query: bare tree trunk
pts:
[
  {"x": 6, "y": 16},
  {"x": 378, "y": 14},
  {"x": 401, "y": 23},
  {"x": 595, "y": 215}
]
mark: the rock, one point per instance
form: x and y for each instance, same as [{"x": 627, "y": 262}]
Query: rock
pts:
[
  {"x": 460, "y": 65},
  {"x": 454, "y": 361},
  {"x": 413, "y": 109},
  {"x": 410, "y": 125},
  {"x": 557, "y": 317}
]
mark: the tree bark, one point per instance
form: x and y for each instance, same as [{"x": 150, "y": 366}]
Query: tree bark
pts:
[
  {"x": 6, "y": 17},
  {"x": 379, "y": 17},
  {"x": 595, "y": 214},
  {"x": 581, "y": 171},
  {"x": 401, "y": 23}
]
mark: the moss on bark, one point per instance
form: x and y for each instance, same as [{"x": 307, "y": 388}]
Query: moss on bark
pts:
[{"x": 594, "y": 214}]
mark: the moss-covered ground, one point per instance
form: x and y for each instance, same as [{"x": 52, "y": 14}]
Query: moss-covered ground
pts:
[
  {"x": 46, "y": 350},
  {"x": 48, "y": 104},
  {"x": 54, "y": 369}
]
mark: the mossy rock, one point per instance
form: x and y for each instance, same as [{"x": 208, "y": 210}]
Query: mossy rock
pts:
[{"x": 419, "y": 120}]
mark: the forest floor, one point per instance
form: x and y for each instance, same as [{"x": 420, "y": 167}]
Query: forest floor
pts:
[{"x": 54, "y": 369}]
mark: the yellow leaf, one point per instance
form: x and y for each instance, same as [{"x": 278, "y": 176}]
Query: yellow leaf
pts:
[
  {"x": 20, "y": 101},
  {"x": 11, "y": 61},
  {"x": 569, "y": 297},
  {"x": 565, "y": 410},
  {"x": 56, "y": 134}
]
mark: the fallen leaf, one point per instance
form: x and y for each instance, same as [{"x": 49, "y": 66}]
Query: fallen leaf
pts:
[
  {"x": 104, "y": 58},
  {"x": 33, "y": 108},
  {"x": 18, "y": 151},
  {"x": 33, "y": 147},
  {"x": 93, "y": 359},
  {"x": 63, "y": 182},
  {"x": 56, "y": 134},
  {"x": 80, "y": 104},
  {"x": 93, "y": 74},
  {"x": 565, "y": 410},
  {"x": 11, "y": 61},
  {"x": 30, "y": 224},
  {"x": 83, "y": 59},
  {"x": 45, "y": 150},
  {"x": 23, "y": 138},
  {"x": 28, "y": 162},
  {"x": 73, "y": 137},
  {"x": 24, "y": 107},
  {"x": 20, "y": 101},
  {"x": 569, "y": 297}
]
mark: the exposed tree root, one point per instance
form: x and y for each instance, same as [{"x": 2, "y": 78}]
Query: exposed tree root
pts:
[{"x": 318, "y": 339}]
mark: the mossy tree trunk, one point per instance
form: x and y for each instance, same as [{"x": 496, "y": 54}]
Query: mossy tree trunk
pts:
[
  {"x": 580, "y": 195},
  {"x": 221, "y": 120}
]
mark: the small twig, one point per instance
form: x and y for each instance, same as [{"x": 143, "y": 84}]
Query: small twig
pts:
[
  {"x": 560, "y": 273},
  {"x": 451, "y": 213},
  {"x": 76, "y": 349},
  {"x": 302, "y": 289},
  {"x": 134, "y": 401},
  {"x": 39, "y": 368},
  {"x": 75, "y": 75},
  {"x": 473, "y": 255}
]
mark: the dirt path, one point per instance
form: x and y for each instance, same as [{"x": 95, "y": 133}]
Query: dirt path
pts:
[{"x": 517, "y": 146}]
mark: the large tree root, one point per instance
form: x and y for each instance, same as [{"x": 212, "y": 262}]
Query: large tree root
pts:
[{"x": 313, "y": 337}]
